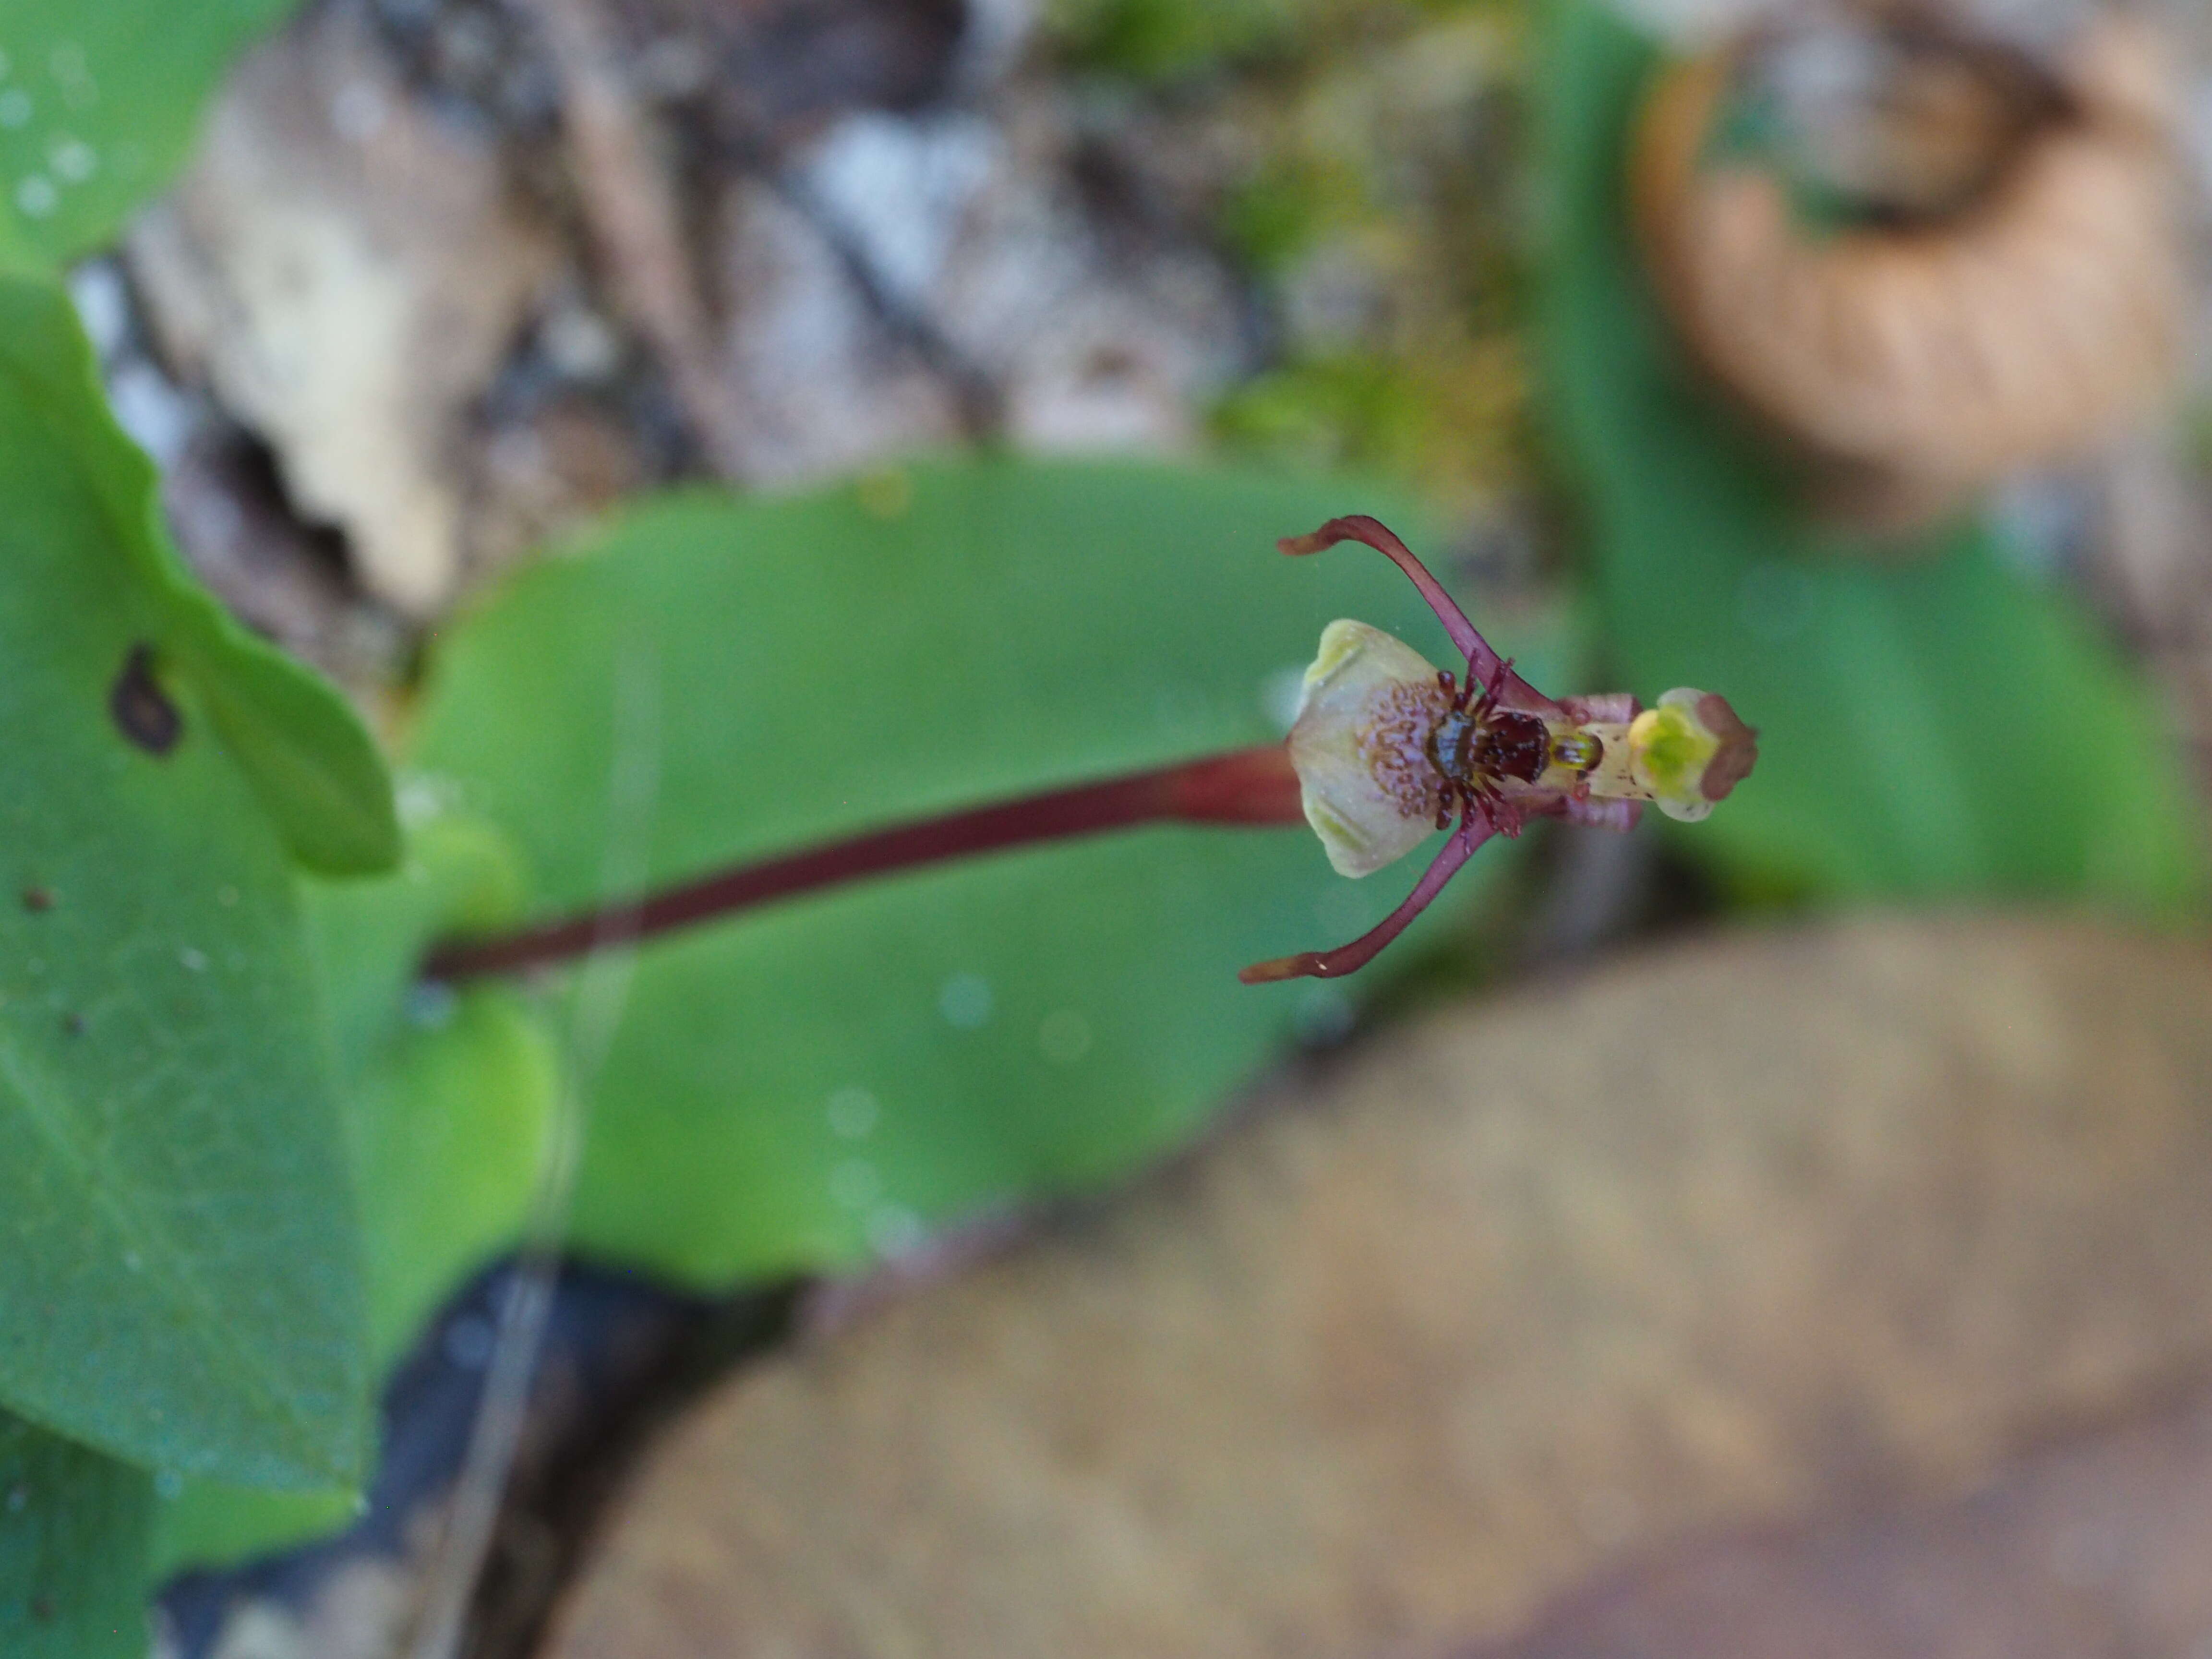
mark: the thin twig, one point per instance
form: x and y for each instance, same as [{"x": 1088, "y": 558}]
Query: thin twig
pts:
[
  {"x": 978, "y": 399},
  {"x": 631, "y": 208},
  {"x": 480, "y": 1489}
]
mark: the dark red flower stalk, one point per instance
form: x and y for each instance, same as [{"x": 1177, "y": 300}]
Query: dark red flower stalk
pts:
[{"x": 1244, "y": 786}]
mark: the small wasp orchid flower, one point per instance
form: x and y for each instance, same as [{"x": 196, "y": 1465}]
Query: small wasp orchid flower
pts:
[
  {"x": 1388, "y": 748},
  {"x": 1385, "y": 748}
]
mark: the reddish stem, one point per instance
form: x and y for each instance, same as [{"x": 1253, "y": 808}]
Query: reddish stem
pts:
[{"x": 1247, "y": 786}]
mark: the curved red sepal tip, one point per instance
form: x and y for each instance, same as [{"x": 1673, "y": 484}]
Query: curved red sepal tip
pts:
[
  {"x": 1482, "y": 661},
  {"x": 1474, "y": 829},
  {"x": 1483, "y": 664}
]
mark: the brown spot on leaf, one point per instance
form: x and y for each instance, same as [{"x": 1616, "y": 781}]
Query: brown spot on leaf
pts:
[
  {"x": 38, "y": 898},
  {"x": 143, "y": 711}
]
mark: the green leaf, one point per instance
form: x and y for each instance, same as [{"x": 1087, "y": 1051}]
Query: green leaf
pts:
[
  {"x": 100, "y": 100},
  {"x": 74, "y": 1530},
  {"x": 450, "y": 1098},
  {"x": 718, "y": 679},
  {"x": 314, "y": 769},
  {"x": 211, "y": 1526},
  {"x": 450, "y": 1136},
  {"x": 449, "y": 1131},
  {"x": 313, "y": 766},
  {"x": 180, "y": 1285},
  {"x": 1166, "y": 40},
  {"x": 449, "y": 1102},
  {"x": 1933, "y": 721}
]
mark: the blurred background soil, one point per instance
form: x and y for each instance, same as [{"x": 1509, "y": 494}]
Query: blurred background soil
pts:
[{"x": 1598, "y": 1320}]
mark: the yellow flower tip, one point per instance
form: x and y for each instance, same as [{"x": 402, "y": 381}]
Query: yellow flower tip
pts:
[
  {"x": 1360, "y": 747},
  {"x": 1690, "y": 751}
]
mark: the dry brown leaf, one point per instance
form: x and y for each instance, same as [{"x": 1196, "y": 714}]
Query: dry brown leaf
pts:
[{"x": 1732, "y": 1235}]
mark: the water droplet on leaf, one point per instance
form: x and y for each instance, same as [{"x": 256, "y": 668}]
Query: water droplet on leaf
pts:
[
  {"x": 1065, "y": 1036},
  {"x": 965, "y": 1001},
  {"x": 853, "y": 1113}
]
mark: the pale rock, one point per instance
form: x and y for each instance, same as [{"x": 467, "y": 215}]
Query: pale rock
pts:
[
  {"x": 822, "y": 386},
  {"x": 918, "y": 279},
  {"x": 348, "y": 273},
  {"x": 1100, "y": 337}
]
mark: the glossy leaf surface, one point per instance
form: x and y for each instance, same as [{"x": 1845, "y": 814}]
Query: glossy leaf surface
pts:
[
  {"x": 100, "y": 100},
  {"x": 448, "y": 1102},
  {"x": 74, "y": 1527},
  {"x": 311, "y": 762},
  {"x": 181, "y": 1283},
  {"x": 449, "y": 1097}
]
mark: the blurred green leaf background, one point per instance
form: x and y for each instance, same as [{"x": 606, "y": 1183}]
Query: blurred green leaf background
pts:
[{"x": 1935, "y": 722}]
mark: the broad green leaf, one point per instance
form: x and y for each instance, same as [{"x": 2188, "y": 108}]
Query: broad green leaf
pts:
[
  {"x": 449, "y": 1131},
  {"x": 179, "y": 1278},
  {"x": 74, "y": 1530},
  {"x": 1932, "y": 721},
  {"x": 211, "y": 1525},
  {"x": 100, "y": 100},
  {"x": 449, "y": 1100},
  {"x": 450, "y": 1134},
  {"x": 718, "y": 679},
  {"x": 313, "y": 766},
  {"x": 450, "y": 1097},
  {"x": 16, "y": 251}
]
